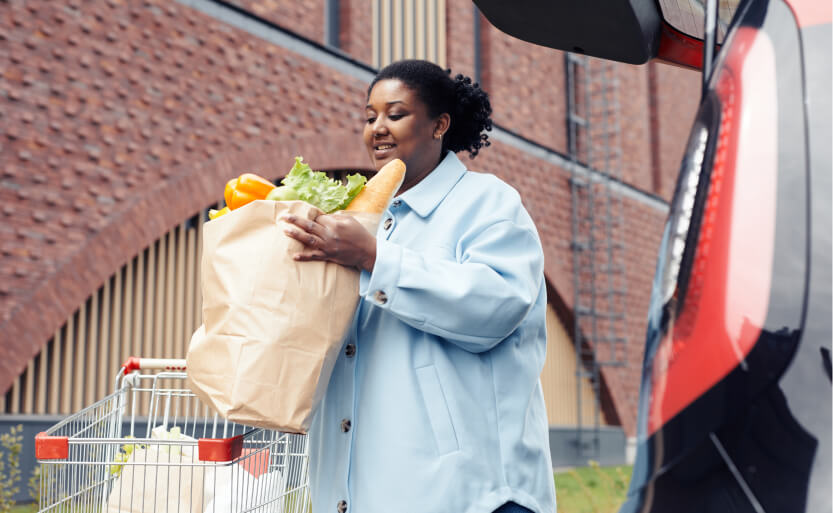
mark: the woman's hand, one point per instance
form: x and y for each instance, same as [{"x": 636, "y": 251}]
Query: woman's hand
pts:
[{"x": 335, "y": 238}]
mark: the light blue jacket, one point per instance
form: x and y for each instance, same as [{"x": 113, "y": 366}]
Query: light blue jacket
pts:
[{"x": 435, "y": 403}]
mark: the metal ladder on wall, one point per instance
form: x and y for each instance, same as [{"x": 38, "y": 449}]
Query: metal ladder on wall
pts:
[{"x": 597, "y": 245}]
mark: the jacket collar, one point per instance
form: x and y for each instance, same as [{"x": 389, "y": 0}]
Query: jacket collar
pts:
[{"x": 425, "y": 196}]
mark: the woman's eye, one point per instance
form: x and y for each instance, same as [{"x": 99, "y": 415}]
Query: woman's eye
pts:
[
  {"x": 396, "y": 116},
  {"x": 370, "y": 120}
]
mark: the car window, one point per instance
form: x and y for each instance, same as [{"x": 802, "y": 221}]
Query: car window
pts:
[{"x": 687, "y": 16}]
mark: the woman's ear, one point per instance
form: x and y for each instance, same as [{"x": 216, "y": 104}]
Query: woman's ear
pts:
[{"x": 441, "y": 125}]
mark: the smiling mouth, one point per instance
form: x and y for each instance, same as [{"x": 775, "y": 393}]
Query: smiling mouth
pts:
[{"x": 383, "y": 147}]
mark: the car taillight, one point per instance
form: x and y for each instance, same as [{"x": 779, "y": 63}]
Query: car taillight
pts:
[{"x": 716, "y": 260}]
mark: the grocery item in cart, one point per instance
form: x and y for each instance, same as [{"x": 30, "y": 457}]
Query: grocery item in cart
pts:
[
  {"x": 152, "y": 478},
  {"x": 273, "y": 326},
  {"x": 236, "y": 491}
]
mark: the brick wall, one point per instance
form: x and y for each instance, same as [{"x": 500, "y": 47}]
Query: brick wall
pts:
[
  {"x": 303, "y": 18},
  {"x": 460, "y": 36},
  {"x": 356, "y": 38},
  {"x": 526, "y": 83},
  {"x": 676, "y": 93},
  {"x": 545, "y": 191},
  {"x": 120, "y": 120},
  {"x": 635, "y": 126}
]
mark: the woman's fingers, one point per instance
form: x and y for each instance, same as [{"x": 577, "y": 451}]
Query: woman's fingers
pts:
[
  {"x": 307, "y": 225},
  {"x": 305, "y": 238},
  {"x": 307, "y": 232},
  {"x": 335, "y": 238},
  {"x": 309, "y": 256}
]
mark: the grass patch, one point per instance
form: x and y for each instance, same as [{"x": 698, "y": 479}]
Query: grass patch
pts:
[
  {"x": 25, "y": 508},
  {"x": 592, "y": 489}
]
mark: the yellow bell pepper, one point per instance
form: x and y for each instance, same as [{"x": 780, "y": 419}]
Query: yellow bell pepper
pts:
[{"x": 214, "y": 214}]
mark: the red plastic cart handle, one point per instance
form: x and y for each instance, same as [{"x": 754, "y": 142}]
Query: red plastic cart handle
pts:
[
  {"x": 49, "y": 447},
  {"x": 135, "y": 363},
  {"x": 220, "y": 449}
]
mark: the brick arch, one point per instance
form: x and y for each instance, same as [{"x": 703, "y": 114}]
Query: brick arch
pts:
[{"x": 33, "y": 320}]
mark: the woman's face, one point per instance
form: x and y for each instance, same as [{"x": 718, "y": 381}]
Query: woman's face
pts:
[{"x": 399, "y": 126}]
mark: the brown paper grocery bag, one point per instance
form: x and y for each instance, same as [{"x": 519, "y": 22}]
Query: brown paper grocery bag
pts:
[{"x": 272, "y": 326}]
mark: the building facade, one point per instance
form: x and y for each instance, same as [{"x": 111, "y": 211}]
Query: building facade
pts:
[{"x": 121, "y": 121}]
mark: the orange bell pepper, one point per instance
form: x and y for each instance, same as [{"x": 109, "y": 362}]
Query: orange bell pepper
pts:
[{"x": 245, "y": 189}]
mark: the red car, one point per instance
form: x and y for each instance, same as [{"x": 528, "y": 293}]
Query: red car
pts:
[{"x": 735, "y": 401}]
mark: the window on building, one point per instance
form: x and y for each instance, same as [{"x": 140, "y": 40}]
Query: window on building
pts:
[{"x": 408, "y": 29}]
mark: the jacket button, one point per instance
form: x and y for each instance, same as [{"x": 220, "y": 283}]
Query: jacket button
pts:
[
  {"x": 380, "y": 297},
  {"x": 341, "y": 507},
  {"x": 350, "y": 350},
  {"x": 388, "y": 222},
  {"x": 345, "y": 425}
]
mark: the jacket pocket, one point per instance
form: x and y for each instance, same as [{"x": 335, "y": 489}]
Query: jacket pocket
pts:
[{"x": 437, "y": 407}]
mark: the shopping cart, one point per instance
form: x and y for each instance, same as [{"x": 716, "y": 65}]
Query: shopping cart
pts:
[{"x": 152, "y": 446}]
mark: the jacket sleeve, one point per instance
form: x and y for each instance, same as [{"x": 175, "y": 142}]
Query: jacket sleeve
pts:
[{"x": 474, "y": 298}]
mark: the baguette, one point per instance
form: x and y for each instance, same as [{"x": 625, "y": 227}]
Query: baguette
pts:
[{"x": 380, "y": 189}]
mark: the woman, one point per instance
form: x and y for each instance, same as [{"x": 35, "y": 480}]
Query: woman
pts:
[{"x": 435, "y": 403}]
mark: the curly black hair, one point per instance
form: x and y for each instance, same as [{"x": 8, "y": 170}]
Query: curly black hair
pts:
[{"x": 465, "y": 102}]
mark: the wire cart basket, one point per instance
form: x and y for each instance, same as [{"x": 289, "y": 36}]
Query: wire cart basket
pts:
[{"x": 152, "y": 446}]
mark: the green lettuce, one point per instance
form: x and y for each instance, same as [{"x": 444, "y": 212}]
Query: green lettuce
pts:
[{"x": 316, "y": 188}]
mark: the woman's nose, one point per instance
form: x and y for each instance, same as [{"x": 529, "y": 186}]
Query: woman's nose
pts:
[{"x": 379, "y": 127}]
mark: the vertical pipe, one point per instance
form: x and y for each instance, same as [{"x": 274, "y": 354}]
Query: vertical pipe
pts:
[
  {"x": 55, "y": 369},
  {"x": 431, "y": 29},
  {"x": 79, "y": 365},
  {"x": 386, "y": 20},
  {"x": 377, "y": 30},
  {"x": 198, "y": 247},
  {"x": 409, "y": 15},
  {"x": 191, "y": 265},
  {"x": 397, "y": 31},
  {"x": 192, "y": 282},
  {"x": 152, "y": 317},
  {"x": 130, "y": 302},
  {"x": 420, "y": 44},
  {"x": 198, "y": 302},
  {"x": 170, "y": 294},
  {"x": 441, "y": 34},
  {"x": 15, "y": 393},
  {"x": 607, "y": 105},
  {"x": 67, "y": 366},
  {"x": 573, "y": 149},
  {"x": 180, "y": 341},
  {"x": 331, "y": 23},
  {"x": 29, "y": 388},
  {"x": 159, "y": 299},
  {"x": 133, "y": 304},
  {"x": 709, "y": 39},
  {"x": 93, "y": 362},
  {"x": 43, "y": 371},
  {"x": 105, "y": 372},
  {"x": 591, "y": 120},
  {"x": 117, "y": 338},
  {"x": 478, "y": 65}
]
